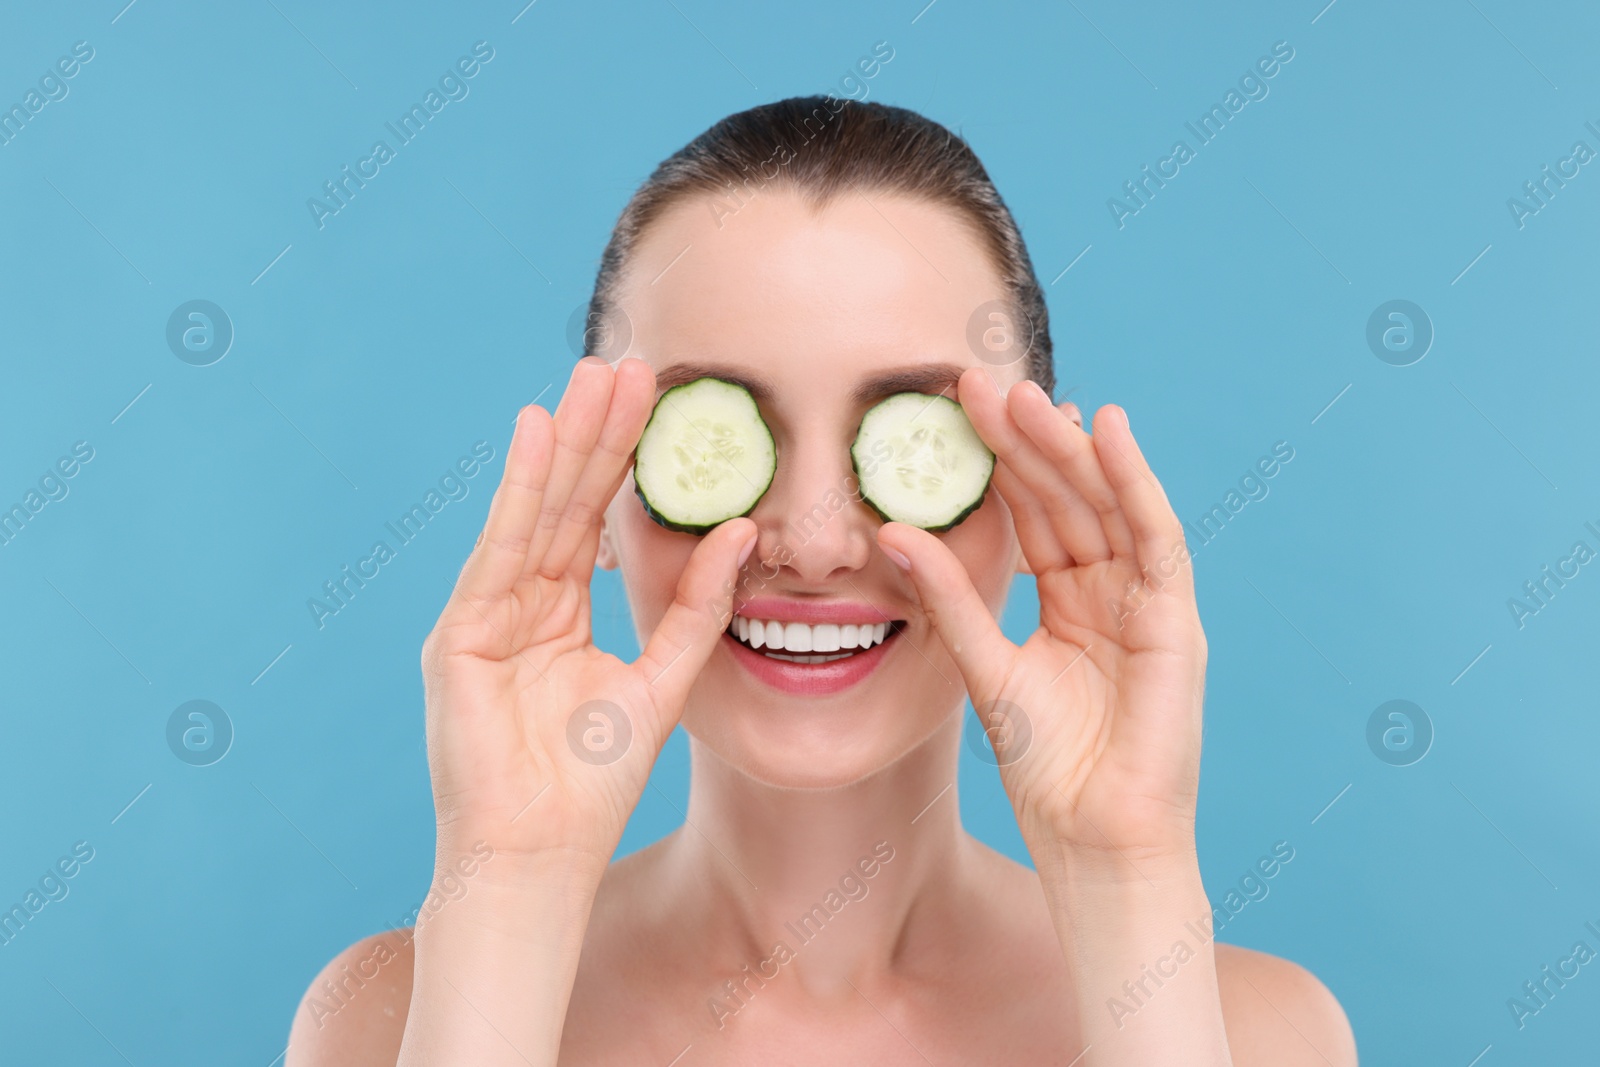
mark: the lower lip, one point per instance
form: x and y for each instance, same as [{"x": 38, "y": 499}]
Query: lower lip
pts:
[{"x": 812, "y": 679}]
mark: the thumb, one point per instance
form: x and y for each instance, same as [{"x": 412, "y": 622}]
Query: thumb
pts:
[
  {"x": 686, "y": 634},
  {"x": 948, "y": 598}
]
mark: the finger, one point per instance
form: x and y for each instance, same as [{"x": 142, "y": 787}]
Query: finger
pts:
[
  {"x": 1156, "y": 529},
  {"x": 1042, "y": 550},
  {"x": 583, "y": 557},
  {"x": 632, "y": 397},
  {"x": 693, "y": 624},
  {"x": 1071, "y": 451},
  {"x": 1076, "y": 524},
  {"x": 958, "y": 613},
  {"x": 502, "y": 548},
  {"x": 579, "y": 419}
]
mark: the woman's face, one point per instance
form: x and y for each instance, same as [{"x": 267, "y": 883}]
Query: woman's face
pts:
[{"x": 821, "y": 314}]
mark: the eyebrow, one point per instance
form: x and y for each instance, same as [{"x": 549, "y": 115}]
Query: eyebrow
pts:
[
  {"x": 912, "y": 379},
  {"x": 682, "y": 373}
]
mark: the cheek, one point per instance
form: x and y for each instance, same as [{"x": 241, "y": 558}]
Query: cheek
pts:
[{"x": 984, "y": 544}]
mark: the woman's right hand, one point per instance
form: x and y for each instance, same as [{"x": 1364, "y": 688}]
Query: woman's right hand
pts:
[{"x": 538, "y": 742}]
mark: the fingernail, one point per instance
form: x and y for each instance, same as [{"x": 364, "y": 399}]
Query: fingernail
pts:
[
  {"x": 744, "y": 553},
  {"x": 899, "y": 558}
]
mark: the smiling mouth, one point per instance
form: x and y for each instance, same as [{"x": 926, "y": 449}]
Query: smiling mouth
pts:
[{"x": 804, "y": 643}]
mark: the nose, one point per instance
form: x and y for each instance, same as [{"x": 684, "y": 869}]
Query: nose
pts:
[{"x": 812, "y": 521}]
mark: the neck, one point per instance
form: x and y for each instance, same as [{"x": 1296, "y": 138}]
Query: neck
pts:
[{"x": 848, "y": 881}]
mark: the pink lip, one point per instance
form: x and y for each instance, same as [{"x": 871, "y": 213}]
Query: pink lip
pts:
[
  {"x": 785, "y": 609},
  {"x": 809, "y": 679}
]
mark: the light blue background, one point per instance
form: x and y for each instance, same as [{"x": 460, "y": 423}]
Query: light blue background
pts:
[{"x": 1225, "y": 316}]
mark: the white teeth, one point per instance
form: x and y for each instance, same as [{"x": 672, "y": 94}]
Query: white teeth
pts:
[
  {"x": 798, "y": 637},
  {"x": 825, "y": 637}
]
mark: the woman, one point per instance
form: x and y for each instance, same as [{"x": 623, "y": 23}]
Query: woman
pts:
[{"x": 822, "y": 903}]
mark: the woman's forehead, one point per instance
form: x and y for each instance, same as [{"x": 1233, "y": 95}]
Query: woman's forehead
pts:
[{"x": 866, "y": 286}]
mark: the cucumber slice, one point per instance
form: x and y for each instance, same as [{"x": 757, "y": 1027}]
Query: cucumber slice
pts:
[
  {"x": 920, "y": 462},
  {"x": 704, "y": 457}
]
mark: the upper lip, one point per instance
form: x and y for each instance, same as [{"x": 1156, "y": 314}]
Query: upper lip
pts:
[{"x": 784, "y": 609}]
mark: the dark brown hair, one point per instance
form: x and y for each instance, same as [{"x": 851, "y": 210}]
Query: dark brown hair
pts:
[{"x": 822, "y": 147}]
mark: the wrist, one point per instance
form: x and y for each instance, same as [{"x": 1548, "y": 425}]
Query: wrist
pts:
[
  {"x": 1110, "y": 841},
  {"x": 1108, "y": 897},
  {"x": 480, "y": 859},
  {"x": 1127, "y": 900},
  {"x": 507, "y": 893},
  {"x": 1170, "y": 861}
]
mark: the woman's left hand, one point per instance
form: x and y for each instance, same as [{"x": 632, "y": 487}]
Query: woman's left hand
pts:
[{"x": 1095, "y": 718}]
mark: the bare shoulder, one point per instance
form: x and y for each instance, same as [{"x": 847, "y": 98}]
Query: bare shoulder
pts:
[
  {"x": 1278, "y": 1014},
  {"x": 354, "y": 1013}
]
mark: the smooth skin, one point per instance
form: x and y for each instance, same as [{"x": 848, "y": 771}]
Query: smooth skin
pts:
[{"x": 949, "y": 952}]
